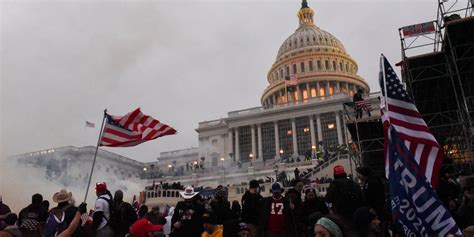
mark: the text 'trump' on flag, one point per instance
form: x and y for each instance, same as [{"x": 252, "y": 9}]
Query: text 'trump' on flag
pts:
[
  {"x": 132, "y": 129},
  {"x": 398, "y": 110}
]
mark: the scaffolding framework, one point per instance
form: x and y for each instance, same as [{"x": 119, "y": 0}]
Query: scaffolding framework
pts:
[{"x": 441, "y": 81}]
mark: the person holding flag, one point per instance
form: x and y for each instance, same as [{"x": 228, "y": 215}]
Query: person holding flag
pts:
[{"x": 413, "y": 160}]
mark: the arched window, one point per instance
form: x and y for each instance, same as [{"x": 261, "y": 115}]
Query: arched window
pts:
[
  {"x": 287, "y": 69},
  {"x": 326, "y": 64},
  {"x": 319, "y": 65},
  {"x": 294, "y": 69},
  {"x": 340, "y": 66},
  {"x": 334, "y": 65},
  {"x": 302, "y": 66},
  {"x": 311, "y": 67}
]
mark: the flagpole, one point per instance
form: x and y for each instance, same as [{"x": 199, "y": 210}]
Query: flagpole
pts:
[
  {"x": 286, "y": 92},
  {"x": 95, "y": 155},
  {"x": 382, "y": 64}
]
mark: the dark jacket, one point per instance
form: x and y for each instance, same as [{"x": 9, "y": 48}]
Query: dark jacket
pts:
[
  {"x": 465, "y": 215},
  {"x": 374, "y": 194},
  {"x": 221, "y": 208},
  {"x": 125, "y": 216},
  {"x": 190, "y": 217},
  {"x": 31, "y": 220},
  {"x": 345, "y": 196},
  {"x": 251, "y": 207}
]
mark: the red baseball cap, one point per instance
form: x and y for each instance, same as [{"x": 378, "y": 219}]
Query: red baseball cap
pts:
[
  {"x": 143, "y": 226},
  {"x": 101, "y": 186},
  {"x": 338, "y": 169}
]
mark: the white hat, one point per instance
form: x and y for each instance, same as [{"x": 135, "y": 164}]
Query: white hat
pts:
[{"x": 188, "y": 193}]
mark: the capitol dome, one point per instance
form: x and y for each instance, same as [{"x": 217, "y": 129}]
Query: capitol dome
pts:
[{"x": 316, "y": 61}]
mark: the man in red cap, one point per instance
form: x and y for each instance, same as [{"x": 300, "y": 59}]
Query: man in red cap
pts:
[
  {"x": 343, "y": 194},
  {"x": 144, "y": 228},
  {"x": 101, "y": 217}
]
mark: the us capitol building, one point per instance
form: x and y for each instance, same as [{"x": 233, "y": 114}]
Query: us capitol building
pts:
[{"x": 292, "y": 123}]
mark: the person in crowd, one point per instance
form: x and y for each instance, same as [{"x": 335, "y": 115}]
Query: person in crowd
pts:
[
  {"x": 211, "y": 228},
  {"x": 235, "y": 210},
  {"x": 373, "y": 190},
  {"x": 144, "y": 228},
  {"x": 167, "y": 226},
  {"x": 448, "y": 188},
  {"x": 358, "y": 96},
  {"x": 61, "y": 216},
  {"x": 11, "y": 229},
  {"x": 312, "y": 204},
  {"x": 297, "y": 173},
  {"x": 103, "y": 207},
  {"x": 344, "y": 194},
  {"x": 32, "y": 218},
  {"x": 124, "y": 215},
  {"x": 294, "y": 197},
  {"x": 366, "y": 222},
  {"x": 275, "y": 214},
  {"x": 328, "y": 226},
  {"x": 187, "y": 217},
  {"x": 221, "y": 206},
  {"x": 465, "y": 213},
  {"x": 155, "y": 217},
  {"x": 4, "y": 210},
  {"x": 45, "y": 205},
  {"x": 251, "y": 206},
  {"x": 244, "y": 230},
  {"x": 142, "y": 211},
  {"x": 71, "y": 230}
]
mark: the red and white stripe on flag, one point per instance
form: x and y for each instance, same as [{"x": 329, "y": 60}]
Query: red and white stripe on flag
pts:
[
  {"x": 398, "y": 110},
  {"x": 132, "y": 129},
  {"x": 364, "y": 105}
]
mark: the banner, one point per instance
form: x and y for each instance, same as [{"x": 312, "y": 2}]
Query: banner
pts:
[
  {"x": 415, "y": 206},
  {"x": 419, "y": 29}
]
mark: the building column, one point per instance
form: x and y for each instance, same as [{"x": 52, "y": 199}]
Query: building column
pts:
[
  {"x": 318, "y": 93},
  {"x": 338, "y": 87},
  {"x": 254, "y": 147},
  {"x": 347, "y": 87},
  {"x": 277, "y": 141},
  {"x": 295, "y": 143},
  {"x": 230, "y": 143},
  {"x": 237, "y": 148},
  {"x": 311, "y": 128},
  {"x": 320, "y": 131},
  {"x": 339, "y": 131},
  {"x": 308, "y": 90},
  {"x": 327, "y": 88},
  {"x": 275, "y": 99},
  {"x": 259, "y": 141}
]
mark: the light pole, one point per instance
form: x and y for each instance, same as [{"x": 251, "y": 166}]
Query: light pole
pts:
[
  {"x": 195, "y": 163},
  {"x": 170, "y": 166},
  {"x": 275, "y": 169},
  {"x": 281, "y": 154},
  {"x": 251, "y": 158},
  {"x": 222, "y": 159},
  {"x": 313, "y": 151}
]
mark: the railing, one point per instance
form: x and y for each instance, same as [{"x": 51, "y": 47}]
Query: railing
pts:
[{"x": 324, "y": 165}]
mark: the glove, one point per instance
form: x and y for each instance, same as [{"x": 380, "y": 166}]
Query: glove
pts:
[{"x": 83, "y": 208}]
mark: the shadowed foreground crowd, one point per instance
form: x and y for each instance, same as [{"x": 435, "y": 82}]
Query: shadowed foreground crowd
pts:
[{"x": 348, "y": 209}]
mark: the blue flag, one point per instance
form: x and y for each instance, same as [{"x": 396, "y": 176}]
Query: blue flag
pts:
[{"x": 415, "y": 206}]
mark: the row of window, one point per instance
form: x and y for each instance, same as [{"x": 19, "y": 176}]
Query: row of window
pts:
[
  {"x": 285, "y": 71},
  {"x": 325, "y": 89},
  {"x": 292, "y": 44},
  {"x": 285, "y": 137}
]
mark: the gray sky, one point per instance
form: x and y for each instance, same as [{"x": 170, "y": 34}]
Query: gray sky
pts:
[{"x": 182, "y": 62}]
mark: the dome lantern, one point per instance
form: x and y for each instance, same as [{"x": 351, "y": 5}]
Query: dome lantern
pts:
[{"x": 305, "y": 14}]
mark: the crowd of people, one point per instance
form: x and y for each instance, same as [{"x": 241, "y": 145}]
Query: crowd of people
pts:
[{"x": 348, "y": 209}]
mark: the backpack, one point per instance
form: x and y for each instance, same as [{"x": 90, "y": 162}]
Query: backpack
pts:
[
  {"x": 55, "y": 223},
  {"x": 112, "y": 221}
]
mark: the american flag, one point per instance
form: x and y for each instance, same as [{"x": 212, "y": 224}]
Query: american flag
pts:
[
  {"x": 291, "y": 80},
  {"x": 132, "y": 129},
  {"x": 398, "y": 111},
  {"x": 364, "y": 105}
]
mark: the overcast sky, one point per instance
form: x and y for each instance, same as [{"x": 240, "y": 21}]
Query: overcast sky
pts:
[{"x": 63, "y": 62}]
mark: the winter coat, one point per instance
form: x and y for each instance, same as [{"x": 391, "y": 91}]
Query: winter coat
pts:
[
  {"x": 31, "y": 220},
  {"x": 221, "y": 208},
  {"x": 374, "y": 194},
  {"x": 345, "y": 196},
  {"x": 190, "y": 217},
  {"x": 465, "y": 215},
  {"x": 250, "y": 207}
]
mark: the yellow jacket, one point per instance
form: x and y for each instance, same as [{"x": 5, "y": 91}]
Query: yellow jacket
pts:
[{"x": 217, "y": 232}]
